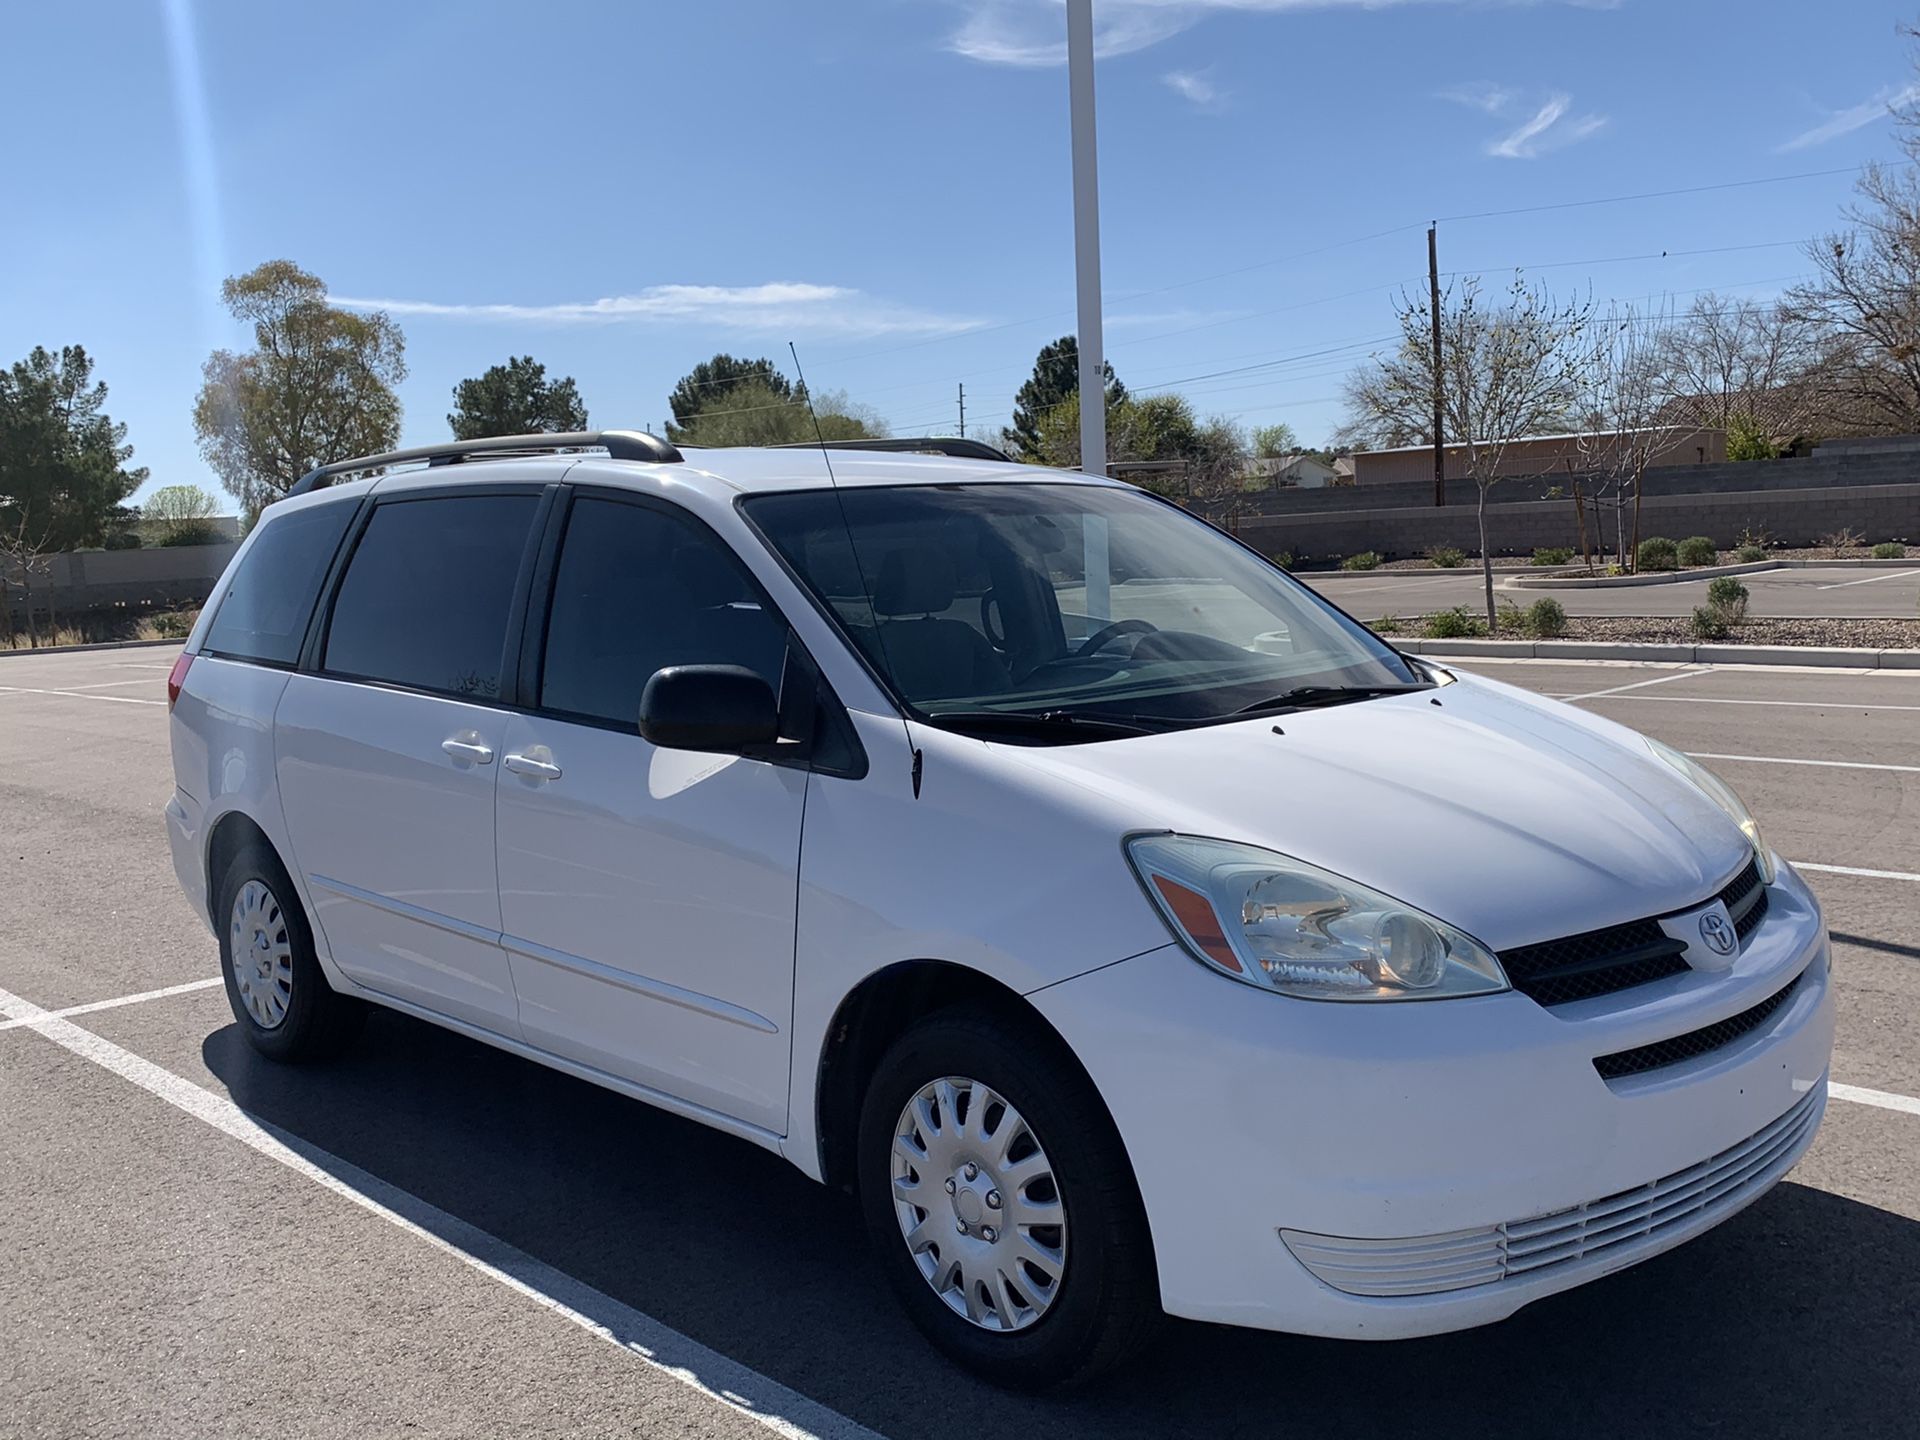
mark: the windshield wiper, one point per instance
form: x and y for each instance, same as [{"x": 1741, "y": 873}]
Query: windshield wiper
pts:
[
  {"x": 1041, "y": 724},
  {"x": 1308, "y": 696}
]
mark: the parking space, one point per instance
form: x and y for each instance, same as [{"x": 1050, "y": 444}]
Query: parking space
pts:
[
  {"x": 1825, "y": 591},
  {"x": 433, "y": 1237}
]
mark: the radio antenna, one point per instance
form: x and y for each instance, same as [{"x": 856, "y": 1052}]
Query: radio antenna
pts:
[{"x": 853, "y": 546}]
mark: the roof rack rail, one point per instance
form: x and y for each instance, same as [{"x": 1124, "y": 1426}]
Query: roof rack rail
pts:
[
  {"x": 953, "y": 445},
  {"x": 620, "y": 444}
]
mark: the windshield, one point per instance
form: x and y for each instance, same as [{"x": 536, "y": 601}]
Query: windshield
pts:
[{"x": 1072, "y": 602}]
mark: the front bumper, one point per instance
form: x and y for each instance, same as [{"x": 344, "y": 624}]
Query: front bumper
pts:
[{"x": 1384, "y": 1138}]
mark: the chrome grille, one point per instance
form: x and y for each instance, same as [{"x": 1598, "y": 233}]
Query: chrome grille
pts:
[{"x": 1639, "y": 1218}]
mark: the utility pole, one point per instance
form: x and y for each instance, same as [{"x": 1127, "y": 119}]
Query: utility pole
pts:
[
  {"x": 1086, "y": 237},
  {"x": 1439, "y": 405},
  {"x": 963, "y": 409}
]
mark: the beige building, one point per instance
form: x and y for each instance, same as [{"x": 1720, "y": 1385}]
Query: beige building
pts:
[{"x": 1536, "y": 455}]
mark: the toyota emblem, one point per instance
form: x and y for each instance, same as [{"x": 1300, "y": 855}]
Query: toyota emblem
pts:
[{"x": 1717, "y": 933}]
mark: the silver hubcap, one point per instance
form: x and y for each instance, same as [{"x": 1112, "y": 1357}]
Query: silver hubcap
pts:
[
  {"x": 977, "y": 1202},
  {"x": 262, "y": 954}
]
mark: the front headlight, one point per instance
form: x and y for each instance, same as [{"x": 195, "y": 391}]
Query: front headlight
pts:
[
  {"x": 1282, "y": 924},
  {"x": 1721, "y": 793}
]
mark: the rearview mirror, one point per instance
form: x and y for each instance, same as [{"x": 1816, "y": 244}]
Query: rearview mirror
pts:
[{"x": 719, "y": 708}]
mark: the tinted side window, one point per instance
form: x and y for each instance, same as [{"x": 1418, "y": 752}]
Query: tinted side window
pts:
[
  {"x": 638, "y": 589},
  {"x": 426, "y": 597},
  {"x": 264, "y": 613}
]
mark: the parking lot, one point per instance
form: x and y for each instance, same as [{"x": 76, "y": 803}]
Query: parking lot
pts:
[
  {"x": 435, "y": 1238},
  {"x": 1839, "y": 591}
]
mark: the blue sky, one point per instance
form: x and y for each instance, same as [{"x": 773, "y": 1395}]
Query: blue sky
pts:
[{"x": 622, "y": 189}]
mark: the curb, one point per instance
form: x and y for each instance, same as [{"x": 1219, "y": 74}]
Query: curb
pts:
[
  {"x": 1830, "y": 657},
  {"x": 97, "y": 645},
  {"x": 1655, "y": 577}
]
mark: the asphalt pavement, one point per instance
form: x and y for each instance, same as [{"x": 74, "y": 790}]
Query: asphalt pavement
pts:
[
  {"x": 1820, "y": 591},
  {"x": 431, "y": 1237}
]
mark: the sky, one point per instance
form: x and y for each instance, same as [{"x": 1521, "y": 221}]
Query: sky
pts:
[{"x": 620, "y": 190}]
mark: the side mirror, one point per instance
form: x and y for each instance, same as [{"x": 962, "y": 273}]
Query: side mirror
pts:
[{"x": 718, "y": 708}]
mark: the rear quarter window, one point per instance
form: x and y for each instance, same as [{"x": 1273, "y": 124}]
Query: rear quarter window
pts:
[{"x": 264, "y": 610}]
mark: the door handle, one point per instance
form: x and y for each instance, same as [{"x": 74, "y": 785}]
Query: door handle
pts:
[
  {"x": 535, "y": 763},
  {"x": 468, "y": 746}
]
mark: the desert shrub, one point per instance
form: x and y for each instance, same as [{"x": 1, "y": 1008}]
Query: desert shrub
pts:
[
  {"x": 1546, "y": 619},
  {"x": 173, "y": 624},
  {"x": 1454, "y": 624},
  {"x": 1365, "y": 560},
  {"x": 1552, "y": 555},
  {"x": 1510, "y": 619},
  {"x": 1889, "y": 550},
  {"x": 1749, "y": 554},
  {"x": 1658, "y": 553},
  {"x": 1284, "y": 560},
  {"x": 123, "y": 540},
  {"x": 193, "y": 532},
  {"x": 1445, "y": 557},
  {"x": 1385, "y": 625},
  {"x": 1837, "y": 542},
  {"x": 1729, "y": 597},
  {"x": 1697, "y": 550},
  {"x": 1710, "y": 623}
]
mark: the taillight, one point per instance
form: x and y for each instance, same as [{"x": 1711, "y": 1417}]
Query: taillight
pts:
[{"x": 177, "y": 677}]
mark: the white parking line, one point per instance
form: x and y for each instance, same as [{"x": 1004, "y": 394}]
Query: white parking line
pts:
[
  {"x": 744, "y": 1391},
  {"x": 1719, "y": 700},
  {"x": 1870, "y": 580},
  {"x": 114, "y": 1003},
  {"x": 76, "y": 695},
  {"x": 1851, "y": 870},
  {"x": 1692, "y": 674},
  {"x": 1823, "y": 764},
  {"x": 1885, "y": 1099}
]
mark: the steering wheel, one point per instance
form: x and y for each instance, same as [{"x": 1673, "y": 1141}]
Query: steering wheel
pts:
[{"x": 1107, "y": 634}]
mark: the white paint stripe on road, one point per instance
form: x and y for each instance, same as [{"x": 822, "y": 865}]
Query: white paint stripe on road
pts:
[
  {"x": 1823, "y": 764},
  {"x": 115, "y": 1003},
  {"x": 1720, "y": 700},
  {"x": 1692, "y": 674},
  {"x": 1870, "y": 580},
  {"x": 1851, "y": 870},
  {"x": 1885, "y": 1099},
  {"x": 744, "y": 1391},
  {"x": 76, "y": 695}
]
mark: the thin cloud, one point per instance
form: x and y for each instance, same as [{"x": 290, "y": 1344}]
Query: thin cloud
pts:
[
  {"x": 787, "y": 307},
  {"x": 1196, "y": 88},
  {"x": 1844, "y": 122},
  {"x": 1550, "y": 126},
  {"x": 1032, "y": 33}
]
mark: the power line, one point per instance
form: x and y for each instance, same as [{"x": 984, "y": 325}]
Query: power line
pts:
[{"x": 1651, "y": 195}]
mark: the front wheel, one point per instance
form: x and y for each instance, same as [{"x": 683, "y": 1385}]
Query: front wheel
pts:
[{"x": 1002, "y": 1205}]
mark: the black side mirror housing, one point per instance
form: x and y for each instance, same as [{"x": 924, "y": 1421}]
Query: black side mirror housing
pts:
[{"x": 722, "y": 709}]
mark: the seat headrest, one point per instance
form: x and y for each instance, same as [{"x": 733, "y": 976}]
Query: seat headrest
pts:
[{"x": 914, "y": 580}]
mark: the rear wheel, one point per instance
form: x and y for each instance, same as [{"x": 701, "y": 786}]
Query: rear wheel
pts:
[
  {"x": 1002, "y": 1205},
  {"x": 279, "y": 995}
]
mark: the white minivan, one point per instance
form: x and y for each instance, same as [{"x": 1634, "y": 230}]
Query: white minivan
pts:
[{"x": 1131, "y": 931}]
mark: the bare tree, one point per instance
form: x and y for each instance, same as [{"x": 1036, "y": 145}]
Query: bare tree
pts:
[
  {"x": 1865, "y": 302},
  {"x": 1624, "y": 400},
  {"x": 1509, "y": 369},
  {"x": 1741, "y": 364}
]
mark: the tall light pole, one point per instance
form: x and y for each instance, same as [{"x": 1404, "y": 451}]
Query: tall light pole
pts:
[{"x": 1086, "y": 238}]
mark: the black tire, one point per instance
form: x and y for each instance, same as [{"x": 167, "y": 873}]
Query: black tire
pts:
[
  {"x": 1107, "y": 1301},
  {"x": 318, "y": 1022}
]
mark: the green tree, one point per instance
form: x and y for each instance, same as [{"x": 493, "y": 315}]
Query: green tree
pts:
[
  {"x": 516, "y": 399},
  {"x": 63, "y": 463},
  {"x": 1210, "y": 455},
  {"x": 1747, "y": 438},
  {"x": 1271, "y": 442},
  {"x": 319, "y": 385},
  {"x": 754, "y": 413},
  {"x": 1055, "y": 378},
  {"x": 182, "y": 514},
  {"x": 713, "y": 381}
]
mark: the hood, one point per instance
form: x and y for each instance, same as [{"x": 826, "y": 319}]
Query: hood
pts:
[{"x": 1516, "y": 818}]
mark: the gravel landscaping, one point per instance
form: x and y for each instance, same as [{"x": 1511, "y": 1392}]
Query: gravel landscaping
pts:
[{"x": 1678, "y": 630}]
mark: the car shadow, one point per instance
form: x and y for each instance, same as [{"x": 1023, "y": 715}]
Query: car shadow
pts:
[{"x": 1800, "y": 1316}]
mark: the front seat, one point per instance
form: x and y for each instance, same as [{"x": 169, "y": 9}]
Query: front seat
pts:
[{"x": 932, "y": 658}]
